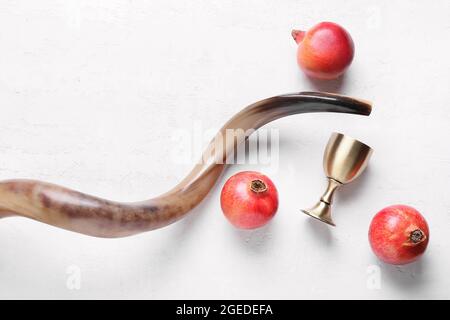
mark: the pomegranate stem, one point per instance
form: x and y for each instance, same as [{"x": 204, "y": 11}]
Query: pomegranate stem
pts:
[{"x": 298, "y": 35}]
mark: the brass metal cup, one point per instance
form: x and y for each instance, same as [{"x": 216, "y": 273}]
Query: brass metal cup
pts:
[{"x": 344, "y": 160}]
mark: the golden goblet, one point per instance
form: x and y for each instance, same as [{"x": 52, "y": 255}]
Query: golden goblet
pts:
[{"x": 344, "y": 160}]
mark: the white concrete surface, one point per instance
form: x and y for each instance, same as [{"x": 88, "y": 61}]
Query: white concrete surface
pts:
[{"x": 91, "y": 92}]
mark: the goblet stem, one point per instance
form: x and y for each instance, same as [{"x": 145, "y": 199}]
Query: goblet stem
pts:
[
  {"x": 327, "y": 197},
  {"x": 322, "y": 210}
]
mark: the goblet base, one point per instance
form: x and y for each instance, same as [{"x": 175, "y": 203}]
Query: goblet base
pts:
[{"x": 321, "y": 211}]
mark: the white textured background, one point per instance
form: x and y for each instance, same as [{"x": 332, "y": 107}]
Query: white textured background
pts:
[{"x": 91, "y": 91}]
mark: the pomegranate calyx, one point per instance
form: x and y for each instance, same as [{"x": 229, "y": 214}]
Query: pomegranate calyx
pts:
[
  {"x": 417, "y": 236},
  {"x": 298, "y": 35},
  {"x": 258, "y": 186}
]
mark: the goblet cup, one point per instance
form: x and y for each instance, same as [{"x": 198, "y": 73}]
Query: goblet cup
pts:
[{"x": 344, "y": 160}]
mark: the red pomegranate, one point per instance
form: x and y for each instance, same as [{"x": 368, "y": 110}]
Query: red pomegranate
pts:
[
  {"x": 398, "y": 234},
  {"x": 249, "y": 200},
  {"x": 325, "y": 51}
]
